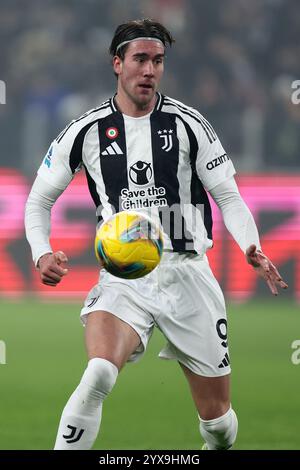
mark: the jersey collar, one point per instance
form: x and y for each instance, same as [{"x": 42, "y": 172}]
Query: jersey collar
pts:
[{"x": 157, "y": 107}]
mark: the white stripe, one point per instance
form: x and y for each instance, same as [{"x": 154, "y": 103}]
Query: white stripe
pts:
[
  {"x": 113, "y": 104},
  {"x": 139, "y": 147},
  {"x": 158, "y": 101},
  {"x": 110, "y": 150},
  {"x": 117, "y": 148}
]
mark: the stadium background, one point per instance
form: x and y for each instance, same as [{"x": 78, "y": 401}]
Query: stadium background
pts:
[{"x": 235, "y": 61}]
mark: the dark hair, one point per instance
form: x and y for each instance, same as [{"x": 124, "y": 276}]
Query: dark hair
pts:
[{"x": 138, "y": 29}]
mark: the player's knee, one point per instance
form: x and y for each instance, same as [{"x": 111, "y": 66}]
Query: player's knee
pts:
[
  {"x": 100, "y": 377},
  {"x": 220, "y": 433}
]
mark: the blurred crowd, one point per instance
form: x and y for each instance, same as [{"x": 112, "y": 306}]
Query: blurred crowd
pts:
[{"x": 233, "y": 60}]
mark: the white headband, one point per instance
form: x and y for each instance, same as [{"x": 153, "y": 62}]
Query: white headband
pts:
[{"x": 138, "y": 39}]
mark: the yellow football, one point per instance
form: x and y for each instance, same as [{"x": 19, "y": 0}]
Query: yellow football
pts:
[{"x": 129, "y": 244}]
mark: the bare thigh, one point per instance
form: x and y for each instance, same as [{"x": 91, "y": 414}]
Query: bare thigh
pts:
[
  {"x": 110, "y": 338},
  {"x": 211, "y": 395}
]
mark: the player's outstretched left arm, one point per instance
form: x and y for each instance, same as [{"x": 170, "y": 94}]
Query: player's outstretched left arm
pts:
[
  {"x": 240, "y": 223},
  {"x": 265, "y": 269}
]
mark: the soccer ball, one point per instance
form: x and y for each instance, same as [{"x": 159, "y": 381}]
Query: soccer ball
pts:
[{"x": 129, "y": 245}]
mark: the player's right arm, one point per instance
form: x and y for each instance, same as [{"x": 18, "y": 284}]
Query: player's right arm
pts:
[
  {"x": 54, "y": 175},
  {"x": 38, "y": 226}
]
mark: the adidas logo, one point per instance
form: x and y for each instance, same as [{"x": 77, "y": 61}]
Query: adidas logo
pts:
[
  {"x": 112, "y": 149},
  {"x": 225, "y": 362}
]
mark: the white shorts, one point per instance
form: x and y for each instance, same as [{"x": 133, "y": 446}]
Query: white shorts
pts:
[{"x": 183, "y": 299}]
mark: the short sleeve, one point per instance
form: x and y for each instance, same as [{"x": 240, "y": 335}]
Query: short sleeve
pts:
[{"x": 213, "y": 165}]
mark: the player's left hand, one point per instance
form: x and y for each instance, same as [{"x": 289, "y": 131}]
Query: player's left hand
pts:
[{"x": 265, "y": 268}]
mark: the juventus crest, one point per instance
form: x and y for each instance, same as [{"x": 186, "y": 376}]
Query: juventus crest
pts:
[{"x": 167, "y": 137}]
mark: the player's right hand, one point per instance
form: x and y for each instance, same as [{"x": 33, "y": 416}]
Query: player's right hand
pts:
[{"x": 52, "y": 268}]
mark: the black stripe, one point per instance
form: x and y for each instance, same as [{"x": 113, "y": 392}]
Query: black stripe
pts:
[
  {"x": 225, "y": 362},
  {"x": 198, "y": 193},
  {"x": 227, "y": 358},
  {"x": 165, "y": 165},
  {"x": 93, "y": 191},
  {"x": 75, "y": 157},
  {"x": 94, "y": 110},
  {"x": 113, "y": 167},
  {"x": 208, "y": 129},
  {"x": 211, "y": 128}
]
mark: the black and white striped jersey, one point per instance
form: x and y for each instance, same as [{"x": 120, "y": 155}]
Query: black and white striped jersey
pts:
[{"x": 162, "y": 164}]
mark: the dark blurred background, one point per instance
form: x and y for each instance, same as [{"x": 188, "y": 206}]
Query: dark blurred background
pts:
[{"x": 234, "y": 60}]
